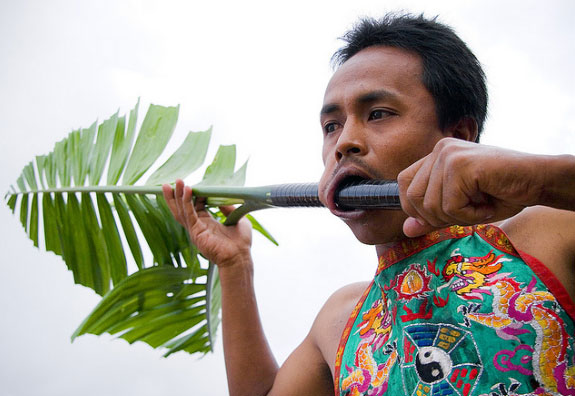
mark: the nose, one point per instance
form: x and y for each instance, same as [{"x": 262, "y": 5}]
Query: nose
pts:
[{"x": 351, "y": 141}]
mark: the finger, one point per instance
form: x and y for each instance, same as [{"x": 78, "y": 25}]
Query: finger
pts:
[
  {"x": 168, "y": 192},
  {"x": 194, "y": 209},
  {"x": 187, "y": 198},
  {"x": 423, "y": 206},
  {"x": 189, "y": 211},
  {"x": 178, "y": 194},
  {"x": 405, "y": 181},
  {"x": 438, "y": 195},
  {"x": 423, "y": 203},
  {"x": 179, "y": 189},
  {"x": 469, "y": 205},
  {"x": 169, "y": 197},
  {"x": 200, "y": 204}
]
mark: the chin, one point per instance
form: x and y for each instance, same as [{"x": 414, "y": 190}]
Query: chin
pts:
[{"x": 379, "y": 231}]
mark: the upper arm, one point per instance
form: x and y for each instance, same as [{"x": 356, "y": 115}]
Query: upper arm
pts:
[
  {"x": 305, "y": 372},
  {"x": 309, "y": 369}
]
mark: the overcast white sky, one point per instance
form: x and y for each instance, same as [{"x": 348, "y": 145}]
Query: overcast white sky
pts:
[{"x": 256, "y": 71}]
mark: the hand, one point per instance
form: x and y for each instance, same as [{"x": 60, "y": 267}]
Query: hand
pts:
[
  {"x": 222, "y": 245},
  {"x": 466, "y": 183}
]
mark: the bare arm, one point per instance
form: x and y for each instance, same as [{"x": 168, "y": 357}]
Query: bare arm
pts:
[
  {"x": 250, "y": 365},
  {"x": 466, "y": 183},
  {"x": 309, "y": 369}
]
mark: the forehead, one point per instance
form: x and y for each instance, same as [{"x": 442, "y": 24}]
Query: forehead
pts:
[{"x": 377, "y": 68}]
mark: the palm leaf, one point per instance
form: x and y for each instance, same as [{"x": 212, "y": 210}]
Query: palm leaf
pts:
[{"x": 121, "y": 240}]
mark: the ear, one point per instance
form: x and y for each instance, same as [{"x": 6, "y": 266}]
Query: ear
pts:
[{"x": 464, "y": 129}]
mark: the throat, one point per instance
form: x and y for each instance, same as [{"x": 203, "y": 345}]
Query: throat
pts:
[{"x": 383, "y": 248}]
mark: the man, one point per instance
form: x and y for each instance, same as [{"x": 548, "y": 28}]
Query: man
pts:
[{"x": 452, "y": 310}]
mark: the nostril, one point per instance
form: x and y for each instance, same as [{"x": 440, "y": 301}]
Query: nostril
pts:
[{"x": 353, "y": 150}]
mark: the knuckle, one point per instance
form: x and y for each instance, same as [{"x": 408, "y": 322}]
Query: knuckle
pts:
[
  {"x": 429, "y": 206},
  {"x": 441, "y": 144},
  {"x": 434, "y": 212},
  {"x": 451, "y": 210},
  {"x": 403, "y": 178},
  {"x": 448, "y": 145},
  {"x": 414, "y": 195},
  {"x": 432, "y": 215},
  {"x": 437, "y": 223},
  {"x": 455, "y": 159},
  {"x": 407, "y": 208}
]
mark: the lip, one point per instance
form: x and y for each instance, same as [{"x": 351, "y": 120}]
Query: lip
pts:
[{"x": 333, "y": 187}]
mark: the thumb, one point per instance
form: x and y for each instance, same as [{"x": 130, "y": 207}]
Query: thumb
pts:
[{"x": 413, "y": 227}]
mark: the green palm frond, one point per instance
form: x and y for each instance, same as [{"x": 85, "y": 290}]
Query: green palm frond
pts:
[{"x": 171, "y": 301}]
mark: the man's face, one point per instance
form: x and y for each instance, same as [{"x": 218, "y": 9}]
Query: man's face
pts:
[{"x": 377, "y": 119}]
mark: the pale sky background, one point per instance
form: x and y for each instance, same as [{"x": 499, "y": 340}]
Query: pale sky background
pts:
[{"x": 256, "y": 71}]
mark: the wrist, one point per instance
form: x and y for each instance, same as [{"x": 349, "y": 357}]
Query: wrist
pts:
[
  {"x": 559, "y": 184},
  {"x": 236, "y": 269}
]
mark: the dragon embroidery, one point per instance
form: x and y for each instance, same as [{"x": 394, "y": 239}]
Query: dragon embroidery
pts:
[
  {"x": 374, "y": 330},
  {"x": 462, "y": 324},
  {"x": 515, "y": 309}
]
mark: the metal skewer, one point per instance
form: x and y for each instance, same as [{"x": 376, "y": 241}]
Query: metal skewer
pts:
[{"x": 364, "y": 195}]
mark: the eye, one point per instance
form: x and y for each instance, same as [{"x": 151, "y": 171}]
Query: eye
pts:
[
  {"x": 330, "y": 127},
  {"x": 379, "y": 114}
]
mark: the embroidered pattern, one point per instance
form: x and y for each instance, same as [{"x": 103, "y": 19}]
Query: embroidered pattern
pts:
[
  {"x": 474, "y": 319},
  {"x": 440, "y": 360}
]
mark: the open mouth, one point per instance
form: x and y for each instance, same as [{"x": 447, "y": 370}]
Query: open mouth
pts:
[
  {"x": 460, "y": 283},
  {"x": 348, "y": 181}
]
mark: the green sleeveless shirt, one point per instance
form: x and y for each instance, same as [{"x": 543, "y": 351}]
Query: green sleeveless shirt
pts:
[{"x": 459, "y": 312}]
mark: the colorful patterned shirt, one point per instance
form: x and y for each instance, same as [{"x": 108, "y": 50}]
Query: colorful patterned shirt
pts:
[{"x": 459, "y": 312}]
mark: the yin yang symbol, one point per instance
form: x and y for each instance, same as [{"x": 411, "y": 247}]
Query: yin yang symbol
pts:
[{"x": 432, "y": 364}]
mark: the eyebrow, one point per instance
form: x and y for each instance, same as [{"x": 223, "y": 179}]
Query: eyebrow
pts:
[
  {"x": 366, "y": 98},
  {"x": 328, "y": 109},
  {"x": 375, "y": 96}
]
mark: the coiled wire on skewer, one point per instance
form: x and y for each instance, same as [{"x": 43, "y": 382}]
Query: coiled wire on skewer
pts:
[{"x": 364, "y": 194}]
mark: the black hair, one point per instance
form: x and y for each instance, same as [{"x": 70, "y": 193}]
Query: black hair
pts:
[{"x": 451, "y": 73}]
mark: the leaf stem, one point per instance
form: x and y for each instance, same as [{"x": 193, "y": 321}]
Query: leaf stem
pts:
[{"x": 217, "y": 195}]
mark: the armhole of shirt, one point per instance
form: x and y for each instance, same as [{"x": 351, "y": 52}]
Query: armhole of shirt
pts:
[
  {"x": 543, "y": 273},
  {"x": 345, "y": 336},
  {"x": 552, "y": 283}
]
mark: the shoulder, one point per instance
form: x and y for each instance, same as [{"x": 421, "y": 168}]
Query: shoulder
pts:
[
  {"x": 351, "y": 291},
  {"x": 332, "y": 319},
  {"x": 541, "y": 227},
  {"x": 549, "y": 235},
  {"x": 310, "y": 367},
  {"x": 340, "y": 304}
]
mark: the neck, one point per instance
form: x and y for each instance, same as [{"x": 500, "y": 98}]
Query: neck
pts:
[{"x": 382, "y": 248}]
